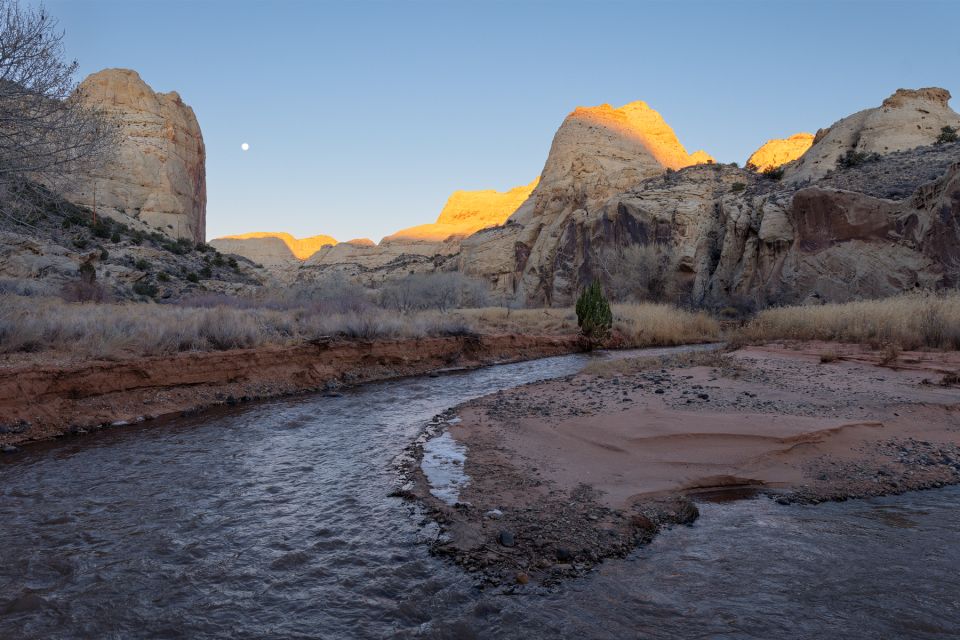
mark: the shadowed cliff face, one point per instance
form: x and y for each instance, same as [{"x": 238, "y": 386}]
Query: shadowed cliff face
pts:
[{"x": 158, "y": 177}]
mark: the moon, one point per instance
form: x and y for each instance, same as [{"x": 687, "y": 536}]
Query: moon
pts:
[{"x": 245, "y": 146}]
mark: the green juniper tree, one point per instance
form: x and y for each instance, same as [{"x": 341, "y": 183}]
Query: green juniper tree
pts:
[{"x": 593, "y": 315}]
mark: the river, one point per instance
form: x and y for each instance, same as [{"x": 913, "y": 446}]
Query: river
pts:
[{"x": 273, "y": 521}]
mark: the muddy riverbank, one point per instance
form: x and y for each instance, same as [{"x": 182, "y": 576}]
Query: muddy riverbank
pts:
[
  {"x": 42, "y": 401},
  {"x": 558, "y": 475}
]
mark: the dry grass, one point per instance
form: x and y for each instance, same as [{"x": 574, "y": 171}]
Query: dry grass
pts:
[
  {"x": 38, "y": 324},
  {"x": 559, "y": 321},
  {"x": 117, "y": 330},
  {"x": 662, "y": 325},
  {"x": 900, "y": 322}
]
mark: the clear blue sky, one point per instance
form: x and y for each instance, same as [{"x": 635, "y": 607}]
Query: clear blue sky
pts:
[{"x": 363, "y": 116}]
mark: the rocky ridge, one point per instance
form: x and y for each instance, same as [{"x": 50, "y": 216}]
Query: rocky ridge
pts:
[
  {"x": 272, "y": 249},
  {"x": 733, "y": 236},
  {"x": 872, "y": 208},
  {"x": 908, "y": 119}
]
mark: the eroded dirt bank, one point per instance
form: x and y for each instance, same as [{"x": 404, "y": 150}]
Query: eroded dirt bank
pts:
[
  {"x": 42, "y": 401},
  {"x": 563, "y": 473}
]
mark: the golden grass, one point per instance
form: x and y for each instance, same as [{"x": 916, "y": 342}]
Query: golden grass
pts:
[
  {"x": 36, "y": 324},
  {"x": 641, "y": 325},
  {"x": 908, "y": 321},
  {"x": 656, "y": 325},
  {"x": 546, "y": 321}
]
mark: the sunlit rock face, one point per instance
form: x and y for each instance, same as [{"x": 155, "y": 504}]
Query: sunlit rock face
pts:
[
  {"x": 599, "y": 151},
  {"x": 908, "y": 119},
  {"x": 778, "y": 152},
  {"x": 465, "y": 212},
  {"x": 596, "y": 153},
  {"x": 158, "y": 176},
  {"x": 272, "y": 249},
  {"x": 416, "y": 249}
]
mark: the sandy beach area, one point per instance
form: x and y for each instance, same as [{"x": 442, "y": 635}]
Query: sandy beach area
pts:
[{"x": 561, "y": 474}]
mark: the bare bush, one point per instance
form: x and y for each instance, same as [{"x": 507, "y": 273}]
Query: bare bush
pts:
[
  {"x": 443, "y": 291},
  {"x": 47, "y": 130},
  {"x": 85, "y": 287},
  {"x": 638, "y": 273}
]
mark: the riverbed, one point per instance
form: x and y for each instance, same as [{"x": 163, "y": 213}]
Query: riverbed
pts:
[{"x": 273, "y": 520}]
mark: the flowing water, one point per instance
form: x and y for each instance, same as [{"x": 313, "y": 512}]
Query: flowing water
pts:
[{"x": 273, "y": 521}]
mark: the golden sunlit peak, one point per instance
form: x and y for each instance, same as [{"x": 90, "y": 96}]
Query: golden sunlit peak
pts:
[
  {"x": 467, "y": 212},
  {"x": 779, "y": 151},
  {"x": 637, "y": 121},
  {"x": 301, "y": 248}
]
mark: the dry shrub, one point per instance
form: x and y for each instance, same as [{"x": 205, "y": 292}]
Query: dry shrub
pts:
[
  {"x": 654, "y": 325},
  {"x": 911, "y": 321},
  {"x": 890, "y": 354}
]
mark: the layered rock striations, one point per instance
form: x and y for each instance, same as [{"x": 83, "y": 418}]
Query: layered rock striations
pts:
[{"x": 158, "y": 177}]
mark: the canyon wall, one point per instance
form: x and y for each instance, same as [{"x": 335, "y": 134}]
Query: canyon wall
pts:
[
  {"x": 157, "y": 180},
  {"x": 727, "y": 235}
]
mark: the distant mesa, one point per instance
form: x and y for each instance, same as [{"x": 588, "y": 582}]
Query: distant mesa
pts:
[
  {"x": 272, "y": 248},
  {"x": 778, "y": 152},
  {"x": 467, "y": 212}
]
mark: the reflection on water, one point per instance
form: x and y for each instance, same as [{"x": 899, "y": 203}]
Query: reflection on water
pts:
[
  {"x": 443, "y": 459},
  {"x": 273, "y": 521}
]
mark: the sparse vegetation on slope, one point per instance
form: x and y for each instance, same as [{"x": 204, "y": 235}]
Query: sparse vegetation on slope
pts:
[
  {"x": 947, "y": 134},
  {"x": 906, "y": 321}
]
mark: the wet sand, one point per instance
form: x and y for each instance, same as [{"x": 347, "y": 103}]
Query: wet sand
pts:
[{"x": 564, "y": 473}]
